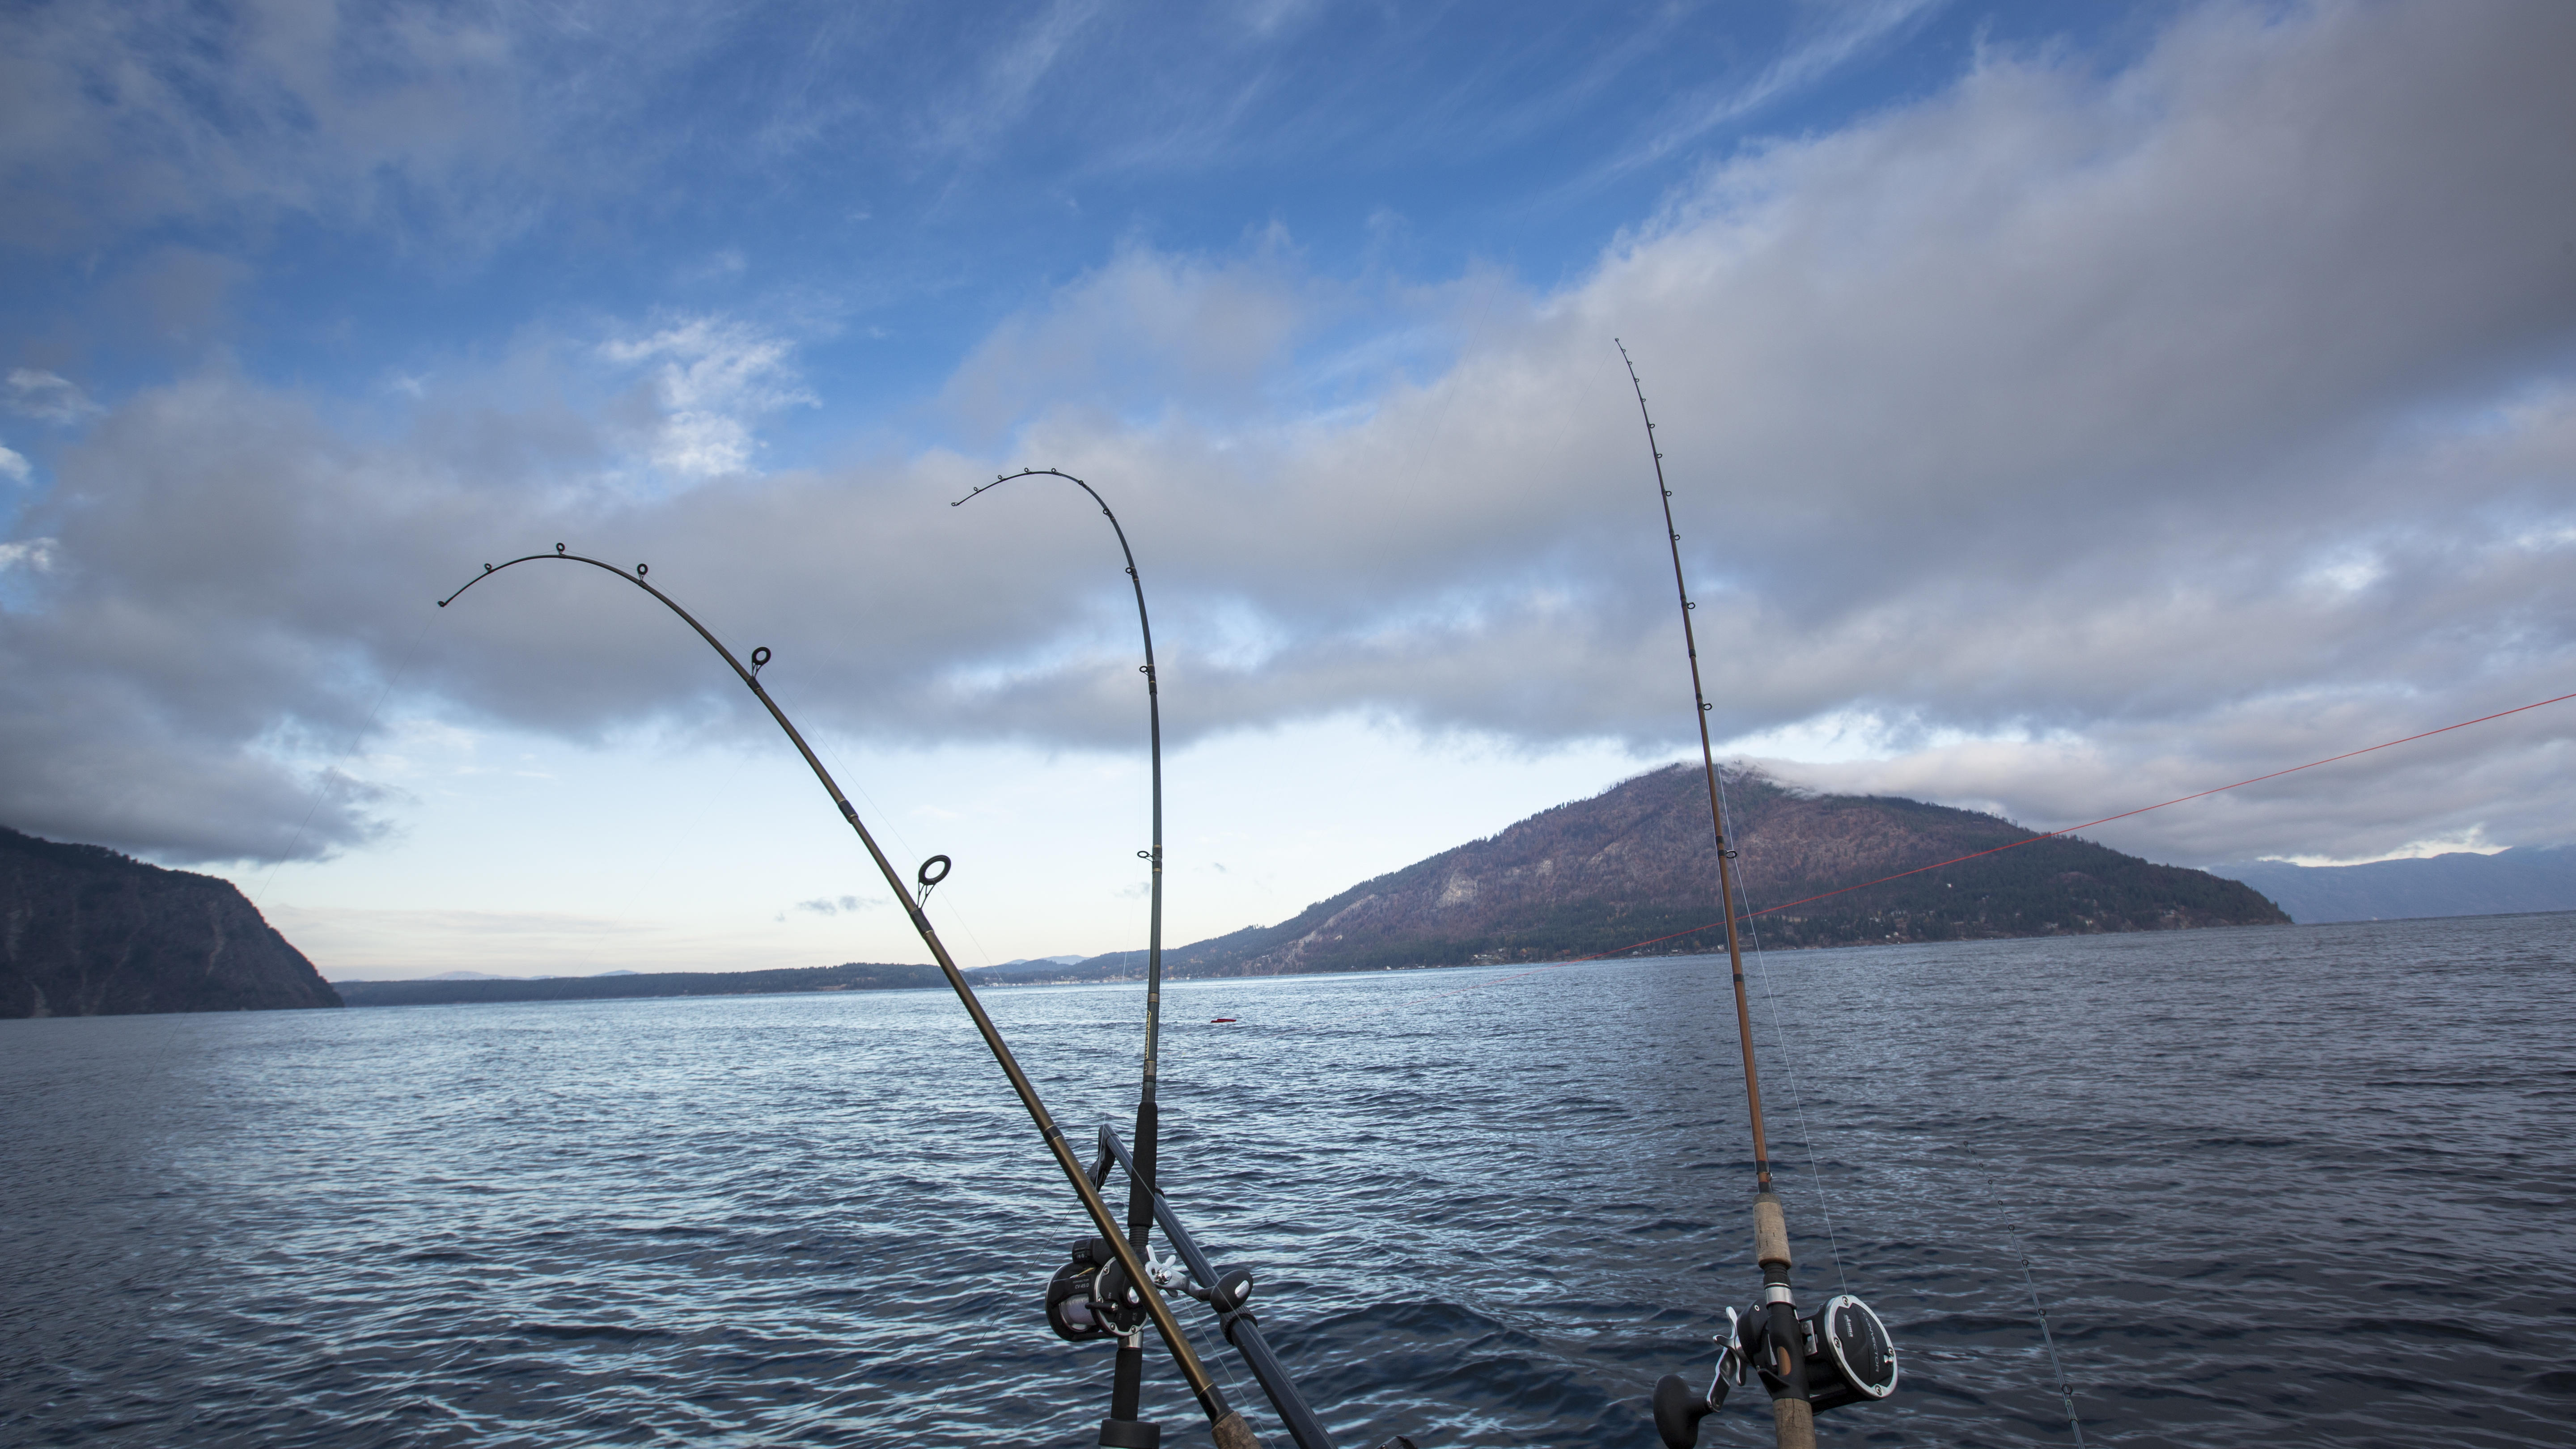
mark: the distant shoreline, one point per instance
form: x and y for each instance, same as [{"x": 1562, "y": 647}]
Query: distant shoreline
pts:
[{"x": 857, "y": 976}]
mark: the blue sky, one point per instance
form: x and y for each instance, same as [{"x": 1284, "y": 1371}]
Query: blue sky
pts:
[
  {"x": 2068, "y": 405},
  {"x": 398, "y": 191}
]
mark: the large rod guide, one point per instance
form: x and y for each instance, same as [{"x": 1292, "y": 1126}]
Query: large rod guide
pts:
[
  {"x": 1127, "y": 1377},
  {"x": 1770, "y": 1337},
  {"x": 1226, "y": 1426}
]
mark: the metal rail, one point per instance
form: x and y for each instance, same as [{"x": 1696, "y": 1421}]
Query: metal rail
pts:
[{"x": 1239, "y": 1326}]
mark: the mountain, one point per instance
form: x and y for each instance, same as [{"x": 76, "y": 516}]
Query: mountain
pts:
[
  {"x": 1637, "y": 862},
  {"x": 489, "y": 976},
  {"x": 1628, "y": 865},
  {"x": 2463, "y": 883},
  {"x": 455, "y": 986},
  {"x": 88, "y": 932}
]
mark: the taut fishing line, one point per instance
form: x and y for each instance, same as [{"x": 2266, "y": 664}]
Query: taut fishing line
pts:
[
  {"x": 2047, "y": 1340},
  {"x": 1772, "y": 998}
]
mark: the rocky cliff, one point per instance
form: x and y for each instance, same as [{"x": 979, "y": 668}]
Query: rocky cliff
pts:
[
  {"x": 1638, "y": 862},
  {"x": 89, "y": 932}
]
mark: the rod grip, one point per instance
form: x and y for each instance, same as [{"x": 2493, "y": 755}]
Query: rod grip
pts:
[
  {"x": 1770, "y": 1231},
  {"x": 1231, "y": 1432},
  {"x": 1793, "y": 1423}
]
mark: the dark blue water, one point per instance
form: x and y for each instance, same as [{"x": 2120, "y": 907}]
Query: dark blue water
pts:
[{"x": 2285, "y": 1186}]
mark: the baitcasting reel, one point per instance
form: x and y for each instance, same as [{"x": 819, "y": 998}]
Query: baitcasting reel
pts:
[
  {"x": 1849, "y": 1357},
  {"x": 1091, "y": 1296}
]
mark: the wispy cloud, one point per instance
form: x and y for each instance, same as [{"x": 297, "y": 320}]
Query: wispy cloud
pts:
[
  {"x": 50, "y": 397},
  {"x": 1011, "y": 76},
  {"x": 1849, "y": 32},
  {"x": 837, "y": 905},
  {"x": 711, "y": 378}
]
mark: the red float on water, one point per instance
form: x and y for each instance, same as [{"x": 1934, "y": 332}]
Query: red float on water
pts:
[{"x": 1220, "y": 1021}]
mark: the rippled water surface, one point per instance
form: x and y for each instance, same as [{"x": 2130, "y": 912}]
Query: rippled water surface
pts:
[{"x": 2278, "y": 1186}]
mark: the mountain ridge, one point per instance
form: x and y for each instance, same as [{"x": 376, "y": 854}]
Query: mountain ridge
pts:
[
  {"x": 85, "y": 931},
  {"x": 1637, "y": 862},
  {"x": 1628, "y": 865},
  {"x": 2461, "y": 883}
]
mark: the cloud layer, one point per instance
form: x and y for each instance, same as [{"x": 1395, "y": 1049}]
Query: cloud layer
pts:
[{"x": 2062, "y": 438}]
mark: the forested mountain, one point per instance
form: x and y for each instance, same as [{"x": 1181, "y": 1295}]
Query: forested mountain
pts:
[
  {"x": 85, "y": 931},
  {"x": 1637, "y": 862},
  {"x": 1631, "y": 864}
]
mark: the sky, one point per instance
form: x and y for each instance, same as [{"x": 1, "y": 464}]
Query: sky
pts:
[{"x": 2065, "y": 407}]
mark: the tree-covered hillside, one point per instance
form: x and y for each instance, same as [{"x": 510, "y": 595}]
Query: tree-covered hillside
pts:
[{"x": 1637, "y": 862}]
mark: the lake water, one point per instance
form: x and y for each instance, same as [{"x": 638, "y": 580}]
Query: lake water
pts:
[{"x": 2278, "y": 1186}]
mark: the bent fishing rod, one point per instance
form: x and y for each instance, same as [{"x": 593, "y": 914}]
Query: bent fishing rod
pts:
[
  {"x": 1850, "y": 1359},
  {"x": 1127, "y": 1377},
  {"x": 1225, "y": 1424}
]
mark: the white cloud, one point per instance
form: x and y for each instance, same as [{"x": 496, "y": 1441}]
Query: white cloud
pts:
[
  {"x": 51, "y": 397},
  {"x": 13, "y": 465},
  {"x": 2088, "y": 437},
  {"x": 712, "y": 378}
]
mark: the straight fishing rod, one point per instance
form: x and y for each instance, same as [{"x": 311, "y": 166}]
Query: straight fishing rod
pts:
[
  {"x": 1855, "y": 1360},
  {"x": 1225, "y": 1425},
  {"x": 1127, "y": 1377}
]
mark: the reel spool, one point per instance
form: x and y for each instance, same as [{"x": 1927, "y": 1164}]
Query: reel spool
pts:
[
  {"x": 1850, "y": 1360},
  {"x": 1090, "y": 1297}
]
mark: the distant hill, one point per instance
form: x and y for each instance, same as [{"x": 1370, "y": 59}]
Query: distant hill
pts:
[
  {"x": 455, "y": 987},
  {"x": 89, "y": 932},
  {"x": 2463, "y": 883},
  {"x": 1637, "y": 862},
  {"x": 1632, "y": 863}
]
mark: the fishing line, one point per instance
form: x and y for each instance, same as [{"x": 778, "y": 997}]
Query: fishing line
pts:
[
  {"x": 875, "y": 807},
  {"x": 1780, "y": 1049},
  {"x": 2048, "y": 1341}
]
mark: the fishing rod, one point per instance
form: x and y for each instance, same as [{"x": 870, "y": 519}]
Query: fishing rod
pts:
[
  {"x": 1842, "y": 1354},
  {"x": 1127, "y": 1377},
  {"x": 1125, "y": 1260}
]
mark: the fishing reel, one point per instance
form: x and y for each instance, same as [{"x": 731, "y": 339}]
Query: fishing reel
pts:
[
  {"x": 1849, "y": 1357},
  {"x": 1092, "y": 1297}
]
